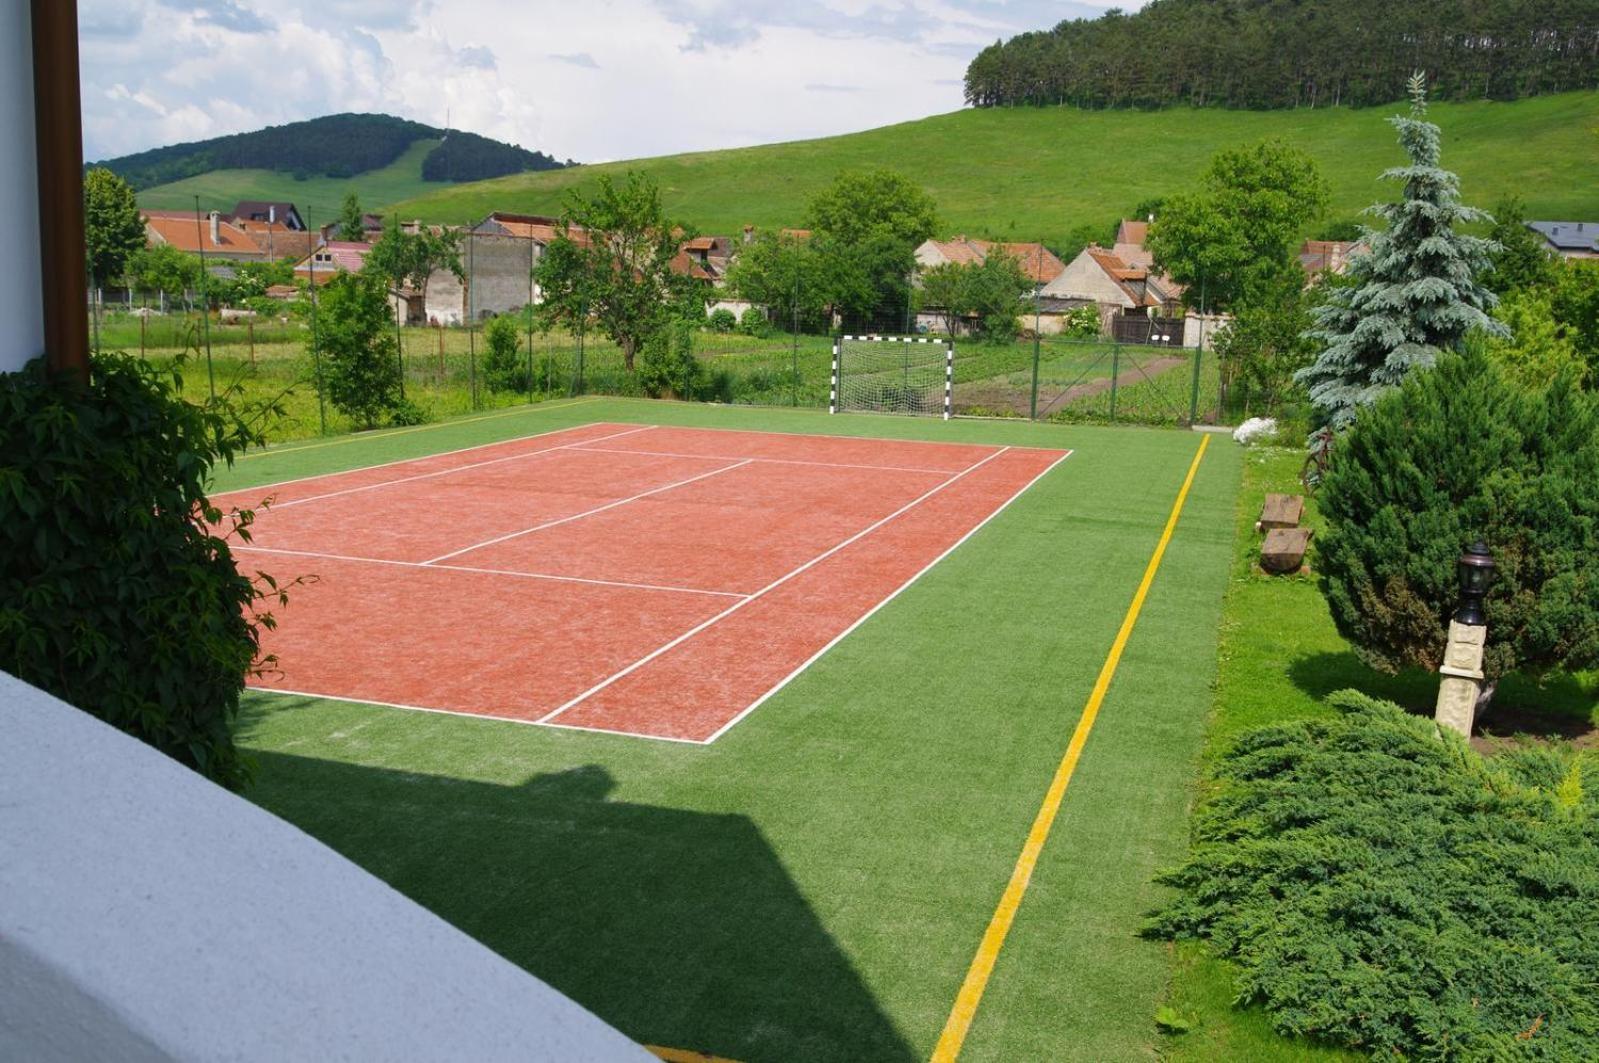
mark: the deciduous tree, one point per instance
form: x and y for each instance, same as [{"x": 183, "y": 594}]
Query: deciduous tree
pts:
[
  {"x": 614, "y": 266},
  {"x": 113, "y": 228},
  {"x": 360, "y": 363}
]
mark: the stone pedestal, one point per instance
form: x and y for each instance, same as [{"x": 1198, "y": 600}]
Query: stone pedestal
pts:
[{"x": 1461, "y": 674}]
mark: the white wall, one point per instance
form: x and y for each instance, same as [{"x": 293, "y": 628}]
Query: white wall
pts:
[
  {"x": 21, "y": 313},
  {"x": 146, "y": 914}
]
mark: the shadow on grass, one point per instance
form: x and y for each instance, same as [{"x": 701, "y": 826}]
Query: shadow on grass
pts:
[
  {"x": 1556, "y": 705},
  {"x": 680, "y": 928}
]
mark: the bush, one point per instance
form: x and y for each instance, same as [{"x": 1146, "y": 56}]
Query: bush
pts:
[
  {"x": 753, "y": 322},
  {"x": 405, "y": 412},
  {"x": 118, "y": 592},
  {"x": 1081, "y": 323},
  {"x": 1455, "y": 454},
  {"x": 1386, "y": 888},
  {"x": 503, "y": 366},
  {"x": 721, "y": 320},
  {"x": 360, "y": 365},
  {"x": 667, "y": 367}
]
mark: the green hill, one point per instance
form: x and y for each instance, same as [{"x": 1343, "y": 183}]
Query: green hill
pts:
[
  {"x": 1030, "y": 173},
  {"x": 316, "y": 162},
  {"x": 318, "y": 198}
]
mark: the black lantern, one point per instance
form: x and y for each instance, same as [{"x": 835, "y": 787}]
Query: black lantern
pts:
[{"x": 1476, "y": 568}]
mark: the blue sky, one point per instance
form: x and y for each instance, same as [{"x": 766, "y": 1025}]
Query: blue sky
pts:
[{"x": 591, "y": 80}]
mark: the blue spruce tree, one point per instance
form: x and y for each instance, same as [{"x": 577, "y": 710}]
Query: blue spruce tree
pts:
[{"x": 1414, "y": 294}]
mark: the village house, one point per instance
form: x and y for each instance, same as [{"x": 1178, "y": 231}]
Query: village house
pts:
[
  {"x": 1037, "y": 262},
  {"x": 276, "y": 240},
  {"x": 195, "y": 234},
  {"x": 1569, "y": 239},
  {"x": 1328, "y": 257},
  {"x": 268, "y": 213}
]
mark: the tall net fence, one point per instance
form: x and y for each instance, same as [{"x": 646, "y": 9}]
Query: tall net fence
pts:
[{"x": 473, "y": 342}]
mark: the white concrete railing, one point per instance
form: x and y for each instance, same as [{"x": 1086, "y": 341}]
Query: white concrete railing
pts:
[{"x": 147, "y": 914}]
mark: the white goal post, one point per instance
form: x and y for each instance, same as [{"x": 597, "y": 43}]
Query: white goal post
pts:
[{"x": 893, "y": 374}]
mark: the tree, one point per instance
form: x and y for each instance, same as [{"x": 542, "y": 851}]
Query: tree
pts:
[
  {"x": 1522, "y": 258},
  {"x": 865, "y": 203},
  {"x": 501, "y": 365},
  {"x": 1264, "y": 345},
  {"x": 163, "y": 268},
  {"x": 944, "y": 289},
  {"x": 1241, "y": 228},
  {"x": 410, "y": 259},
  {"x": 1574, "y": 302},
  {"x": 995, "y": 288},
  {"x": 360, "y": 363},
  {"x": 867, "y": 226},
  {"x": 1539, "y": 348},
  {"x": 1414, "y": 295},
  {"x": 782, "y": 273},
  {"x": 1456, "y": 454},
  {"x": 613, "y": 265},
  {"x": 112, "y": 226},
  {"x": 352, "y": 222}
]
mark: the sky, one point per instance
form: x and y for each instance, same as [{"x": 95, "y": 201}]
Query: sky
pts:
[{"x": 591, "y": 80}]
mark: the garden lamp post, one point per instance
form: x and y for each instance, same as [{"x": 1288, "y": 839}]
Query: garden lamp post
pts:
[{"x": 1461, "y": 670}]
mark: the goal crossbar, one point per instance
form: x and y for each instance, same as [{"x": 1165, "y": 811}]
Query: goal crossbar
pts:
[{"x": 893, "y": 374}]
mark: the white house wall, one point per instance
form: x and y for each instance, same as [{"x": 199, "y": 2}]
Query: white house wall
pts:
[
  {"x": 1084, "y": 279},
  {"x": 21, "y": 306}
]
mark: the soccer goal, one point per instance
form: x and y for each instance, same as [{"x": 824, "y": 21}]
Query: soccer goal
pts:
[{"x": 892, "y": 374}]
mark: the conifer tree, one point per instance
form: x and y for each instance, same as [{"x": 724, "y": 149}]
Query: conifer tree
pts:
[{"x": 1413, "y": 295}]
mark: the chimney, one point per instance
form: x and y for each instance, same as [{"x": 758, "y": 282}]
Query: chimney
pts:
[
  {"x": 216, "y": 228},
  {"x": 272, "y": 213}
]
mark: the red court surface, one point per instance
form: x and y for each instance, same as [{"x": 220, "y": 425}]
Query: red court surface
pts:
[{"x": 651, "y": 581}]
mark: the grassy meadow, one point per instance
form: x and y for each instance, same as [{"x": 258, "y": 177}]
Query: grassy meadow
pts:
[
  {"x": 1028, "y": 173},
  {"x": 319, "y": 198}
]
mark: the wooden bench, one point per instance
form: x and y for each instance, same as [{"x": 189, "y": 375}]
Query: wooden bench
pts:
[{"x": 1283, "y": 551}]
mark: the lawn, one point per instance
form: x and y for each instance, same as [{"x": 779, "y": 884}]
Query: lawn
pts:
[
  {"x": 813, "y": 885},
  {"x": 319, "y": 198},
  {"x": 1280, "y": 655},
  {"x": 1036, "y": 173}
]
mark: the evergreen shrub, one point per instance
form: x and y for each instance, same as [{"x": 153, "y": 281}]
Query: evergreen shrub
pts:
[
  {"x": 1456, "y": 454},
  {"x": 1383, "y": 887}
]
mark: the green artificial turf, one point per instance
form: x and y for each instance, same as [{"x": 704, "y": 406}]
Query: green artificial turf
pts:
[
  {"x": 813, "y": 885},
  {"x": 1037, "y": 173}
]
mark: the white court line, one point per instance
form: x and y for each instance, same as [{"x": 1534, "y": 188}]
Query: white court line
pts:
[
  {"x": 474, "y": 715},
  {"x": 831, "y": 435},
  {"x": 420, "y": 457},
  {"x": 720, "y": 731},
  {"x": 730, "y": 610},
  {"x": 444, "y": 472},
  {"x": 770, "y": 461},
  {"x": 488, "y": 571},
  {"x": 585, "y": 513}
]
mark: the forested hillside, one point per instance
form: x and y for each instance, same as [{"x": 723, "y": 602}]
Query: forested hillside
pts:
[
  {"x": 1295, "y": 53},
  {"x": 336, "y": 146}
]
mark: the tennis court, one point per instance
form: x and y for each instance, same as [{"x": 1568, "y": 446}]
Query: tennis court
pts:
[{"x": 653, "y": 581}]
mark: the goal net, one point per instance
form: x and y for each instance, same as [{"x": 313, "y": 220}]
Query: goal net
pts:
[{"x": 892, "y": 374}]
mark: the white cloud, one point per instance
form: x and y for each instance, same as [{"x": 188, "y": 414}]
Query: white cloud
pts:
[{"x": 606, "y": 80}]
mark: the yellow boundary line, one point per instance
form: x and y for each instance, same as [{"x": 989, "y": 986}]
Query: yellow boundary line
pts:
[
  {"x": 982, "y": 966},
  {"x": 365, "y": 437},
  {"x": 684, "y": 1055}
]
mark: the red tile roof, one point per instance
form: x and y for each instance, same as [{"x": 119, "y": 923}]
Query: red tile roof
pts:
[
  {"x": 1038, "y": 263},
  {"x": 188, "y": 232}
]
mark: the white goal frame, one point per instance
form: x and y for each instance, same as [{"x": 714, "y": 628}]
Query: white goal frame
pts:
[{"x": 835, "y": 394}]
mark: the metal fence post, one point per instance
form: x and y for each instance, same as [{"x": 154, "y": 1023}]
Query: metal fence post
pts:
[{"x": 1115, "y": 375}]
